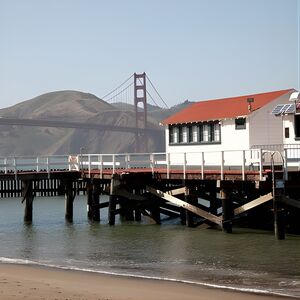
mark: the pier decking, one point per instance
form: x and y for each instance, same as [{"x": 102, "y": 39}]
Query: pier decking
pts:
[{"x": 196, "y": 188}]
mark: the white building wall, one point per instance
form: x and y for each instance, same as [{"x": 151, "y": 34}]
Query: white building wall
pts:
[
  {"x": 288, "y": 122},
  {"x": 232, "y": 141},
  {"x": 265, "y": 128}
]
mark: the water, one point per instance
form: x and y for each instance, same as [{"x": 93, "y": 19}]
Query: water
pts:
[{"x": 246, "y": 260}]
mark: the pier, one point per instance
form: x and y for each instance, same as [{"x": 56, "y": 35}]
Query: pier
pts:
[{"x": 199, "y": 189}]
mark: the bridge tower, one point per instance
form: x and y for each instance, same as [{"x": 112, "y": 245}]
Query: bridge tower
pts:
[{"x": 140, "y": 97}]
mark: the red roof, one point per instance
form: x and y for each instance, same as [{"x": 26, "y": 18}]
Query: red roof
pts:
[{"x": 222, "y": 108}]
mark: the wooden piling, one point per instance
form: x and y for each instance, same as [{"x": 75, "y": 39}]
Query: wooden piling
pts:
[
  {"x": 69, "y": 199},
  {"x": 279, "y": 215},
  {"x": 89, "y": 198},
  {"x": 27, "y": 192},
  {"x": 96, "y": 201},
  {"x": 112, "y": 200},
  {"x": 112, "y": 210},
  {"x": 189, "y": 216},
  {"x": 227, "y": 213},
  {"x": 155, "y": 210}
]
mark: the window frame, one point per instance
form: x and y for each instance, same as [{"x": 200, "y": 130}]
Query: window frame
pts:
[{"x": 240, "y": 126}]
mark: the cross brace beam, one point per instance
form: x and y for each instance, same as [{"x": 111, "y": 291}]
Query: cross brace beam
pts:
[
  {"x": 253, "y": 203},
  {"x": 198, "y": 211}
]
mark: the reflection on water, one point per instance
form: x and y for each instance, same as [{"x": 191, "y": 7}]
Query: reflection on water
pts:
[{"x": 246, "y": 258}]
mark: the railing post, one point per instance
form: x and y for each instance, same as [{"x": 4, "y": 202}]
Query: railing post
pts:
[
  {"x": 101, "y": 166},
  {"x": 222, "y": 165},
  {"x": 128, "y": 161},
  {"x": 184, "y": 165},
  {"x": 168, "y": 165},
  {"x": 15, "y": 168},
  {"x": 285, "y": 164},
  {"x": 90, "y": 166},
  {"x": 5, "y": 165},
  {"x": 114, "y": 162},
  {"x": 202, "y": 165},
  {"x": 48, "y": 165},
  {"x": 37, "y": 164},
  {"x": 243, "y": 165},
  {"x": 260, "y": 164},
  {"x": 152, "y": 163}
]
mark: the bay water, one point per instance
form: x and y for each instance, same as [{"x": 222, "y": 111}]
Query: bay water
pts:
[{"x": 247, "y": 260}]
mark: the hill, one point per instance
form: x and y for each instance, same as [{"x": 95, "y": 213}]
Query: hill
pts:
[{"x": 79, "y": 107}]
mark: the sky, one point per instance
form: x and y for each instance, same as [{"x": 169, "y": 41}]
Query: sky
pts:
[{"x": 190, "y": 49}]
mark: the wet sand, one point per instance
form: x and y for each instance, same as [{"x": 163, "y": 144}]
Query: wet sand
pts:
[{"x": 32, "y": 282}]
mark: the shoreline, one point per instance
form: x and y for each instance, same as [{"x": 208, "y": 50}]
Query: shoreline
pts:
[{"x": 30, "y": 281}]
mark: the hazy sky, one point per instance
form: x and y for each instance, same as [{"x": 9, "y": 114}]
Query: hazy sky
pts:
[{"x": 190, "y": 49}]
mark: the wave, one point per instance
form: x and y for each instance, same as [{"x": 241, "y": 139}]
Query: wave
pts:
[{"x": 17, "y": 261}]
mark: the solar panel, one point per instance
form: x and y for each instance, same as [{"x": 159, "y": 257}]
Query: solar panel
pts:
[
  {"x": 276, "y": 110},
  {"x": 283, "y": 109},
  {"x": 290, "y": 109}
]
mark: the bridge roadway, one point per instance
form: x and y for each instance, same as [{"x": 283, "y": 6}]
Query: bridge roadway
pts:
[{"x": 77, "y": 125}]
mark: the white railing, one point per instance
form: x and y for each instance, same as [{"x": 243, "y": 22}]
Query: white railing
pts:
[{"x": 240, "y": 161}]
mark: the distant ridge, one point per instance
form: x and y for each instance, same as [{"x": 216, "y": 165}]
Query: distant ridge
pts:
[{"x": 76, "y": 106}]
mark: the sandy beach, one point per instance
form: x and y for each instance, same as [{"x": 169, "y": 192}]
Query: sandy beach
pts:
[{"x": 32, "y": 282}]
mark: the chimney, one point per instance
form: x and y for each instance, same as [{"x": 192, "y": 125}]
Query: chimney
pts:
[{"x": 249, "y": 101}]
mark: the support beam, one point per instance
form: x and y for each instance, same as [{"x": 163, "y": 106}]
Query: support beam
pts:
[
  {"x": 253, "y": 204},
  {"x": 291, "y": 202},
  {"x": 176, "y": 191},
  {"x": 120, "y": 191},
  {"x": 200, "y": 212}
]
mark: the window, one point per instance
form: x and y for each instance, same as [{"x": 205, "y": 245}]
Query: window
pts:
[
  {"x": 217, "y": 132},
  {"x": 240, "y": 123},
  {"x": 194, "y": 134},
  {"x": 176, "y": 135},
  {"x": 173, "y": 135},
  {"x": 205, "y": 131},
  {"x": 184, "y": 134},
  {"x": 180, "y": 137},
  {"x": 286, "y": 132}
]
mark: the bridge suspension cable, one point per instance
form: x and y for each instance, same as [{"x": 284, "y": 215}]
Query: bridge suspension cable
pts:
[
  {"x": 117, "y": 87},
  {"x": 123, "y": 94},
  {"x": 166, "y": 105}
]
